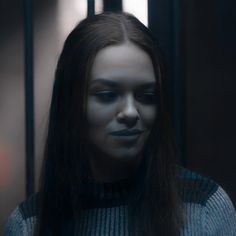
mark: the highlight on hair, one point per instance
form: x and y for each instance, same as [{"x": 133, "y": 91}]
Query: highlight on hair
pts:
[{"x": 65, "y": 165}]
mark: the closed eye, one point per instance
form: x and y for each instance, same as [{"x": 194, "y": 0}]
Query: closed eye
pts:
[
  {"x": 146, "y": 97},
  {"x": 106, "y": 96}
]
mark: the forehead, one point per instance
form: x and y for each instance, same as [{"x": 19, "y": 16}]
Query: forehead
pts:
[{"x": 124, "y": 64}]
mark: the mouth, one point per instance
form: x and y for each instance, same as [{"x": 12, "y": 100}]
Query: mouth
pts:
[{"x": 127, "y": 132}]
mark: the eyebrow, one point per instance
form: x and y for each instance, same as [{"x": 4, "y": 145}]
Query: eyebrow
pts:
[{"x": 112, "y": 83}]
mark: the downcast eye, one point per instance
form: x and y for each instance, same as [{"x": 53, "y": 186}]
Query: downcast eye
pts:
[
  {"x": 146, "y": 97},
  {"x": 106, "y": 96}
]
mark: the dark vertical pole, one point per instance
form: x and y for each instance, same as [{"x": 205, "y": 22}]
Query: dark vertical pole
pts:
[
  {"x": 112, "y": 5},
  {"x": 178, "y": 78},
  {"x": 91, "y": 10},
  {"x": 29, "y": 95}
]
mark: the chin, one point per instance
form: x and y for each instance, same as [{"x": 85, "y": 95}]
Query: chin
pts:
[{"x": 124, "y": 155}]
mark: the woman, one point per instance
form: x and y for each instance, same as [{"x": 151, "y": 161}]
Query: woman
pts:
[{"x": 110, "y": 160}]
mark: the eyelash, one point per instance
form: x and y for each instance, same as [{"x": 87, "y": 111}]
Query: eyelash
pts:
[
  {"x": 146, "y": 98},
  {"x": 106, "y": 96},
  {"x": 109, "y": 97}
]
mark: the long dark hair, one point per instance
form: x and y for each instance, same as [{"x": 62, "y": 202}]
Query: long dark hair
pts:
[{"x": 65, "y": 165}]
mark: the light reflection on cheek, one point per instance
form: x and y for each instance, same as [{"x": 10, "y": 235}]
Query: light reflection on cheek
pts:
[{"x": 99, "y": 113}]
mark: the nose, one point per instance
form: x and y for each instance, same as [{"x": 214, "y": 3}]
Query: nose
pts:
[{"x": 128, "y": 112}]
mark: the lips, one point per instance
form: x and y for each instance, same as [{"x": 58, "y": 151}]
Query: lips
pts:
[{"x": 126, "y": 132}]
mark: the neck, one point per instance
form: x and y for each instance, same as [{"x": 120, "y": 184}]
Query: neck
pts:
[{"x": 107, "y": 169}]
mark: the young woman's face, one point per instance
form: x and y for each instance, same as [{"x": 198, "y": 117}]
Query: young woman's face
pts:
[{"x": 121, "y": 103}]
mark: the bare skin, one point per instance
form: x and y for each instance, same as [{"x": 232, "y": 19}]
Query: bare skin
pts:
[{"x": 120, "y": 110}]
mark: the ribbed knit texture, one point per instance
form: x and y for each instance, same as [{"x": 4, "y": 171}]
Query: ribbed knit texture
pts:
[{"x": 208, "y": 209}]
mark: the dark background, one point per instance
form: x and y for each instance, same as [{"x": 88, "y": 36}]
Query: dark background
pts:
[
  {"x": 199, "y": 39},
  {"x": 210, "y": 75}
]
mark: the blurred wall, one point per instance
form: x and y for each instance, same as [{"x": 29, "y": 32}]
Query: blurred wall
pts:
[
  {"x": 52, "y": 22},
  {"x": 210, "y": 62},
  {"x": 198, "y": 39},
  {"x": 12, "y": 123}
]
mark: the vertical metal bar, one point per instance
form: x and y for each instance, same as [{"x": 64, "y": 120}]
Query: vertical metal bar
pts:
[
  {"x": 112, "y": 5},
  {"x": 29, "y": 95},
  {"x": 178, "y": 79},
  {"x": 91, "y": 9}
]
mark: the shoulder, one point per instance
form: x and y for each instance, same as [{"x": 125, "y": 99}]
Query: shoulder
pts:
[
  {"x": 29, "y": 208},
  {"x": 22, "y": 219},
  {"x": 208, "y": 202},
  {"x": 194, "y": 187},
  {"x": 220, "y": 211}
]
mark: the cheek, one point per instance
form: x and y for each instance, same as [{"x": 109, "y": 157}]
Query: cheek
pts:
[
  {"x": 148, "y": 115},
  {"x": 99, "y": 115}
]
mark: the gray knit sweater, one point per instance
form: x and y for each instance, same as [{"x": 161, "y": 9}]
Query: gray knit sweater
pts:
[{"x": 208, "y": 209}]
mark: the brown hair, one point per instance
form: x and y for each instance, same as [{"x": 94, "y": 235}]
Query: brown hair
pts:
[{"x": 160, "y": 208}]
